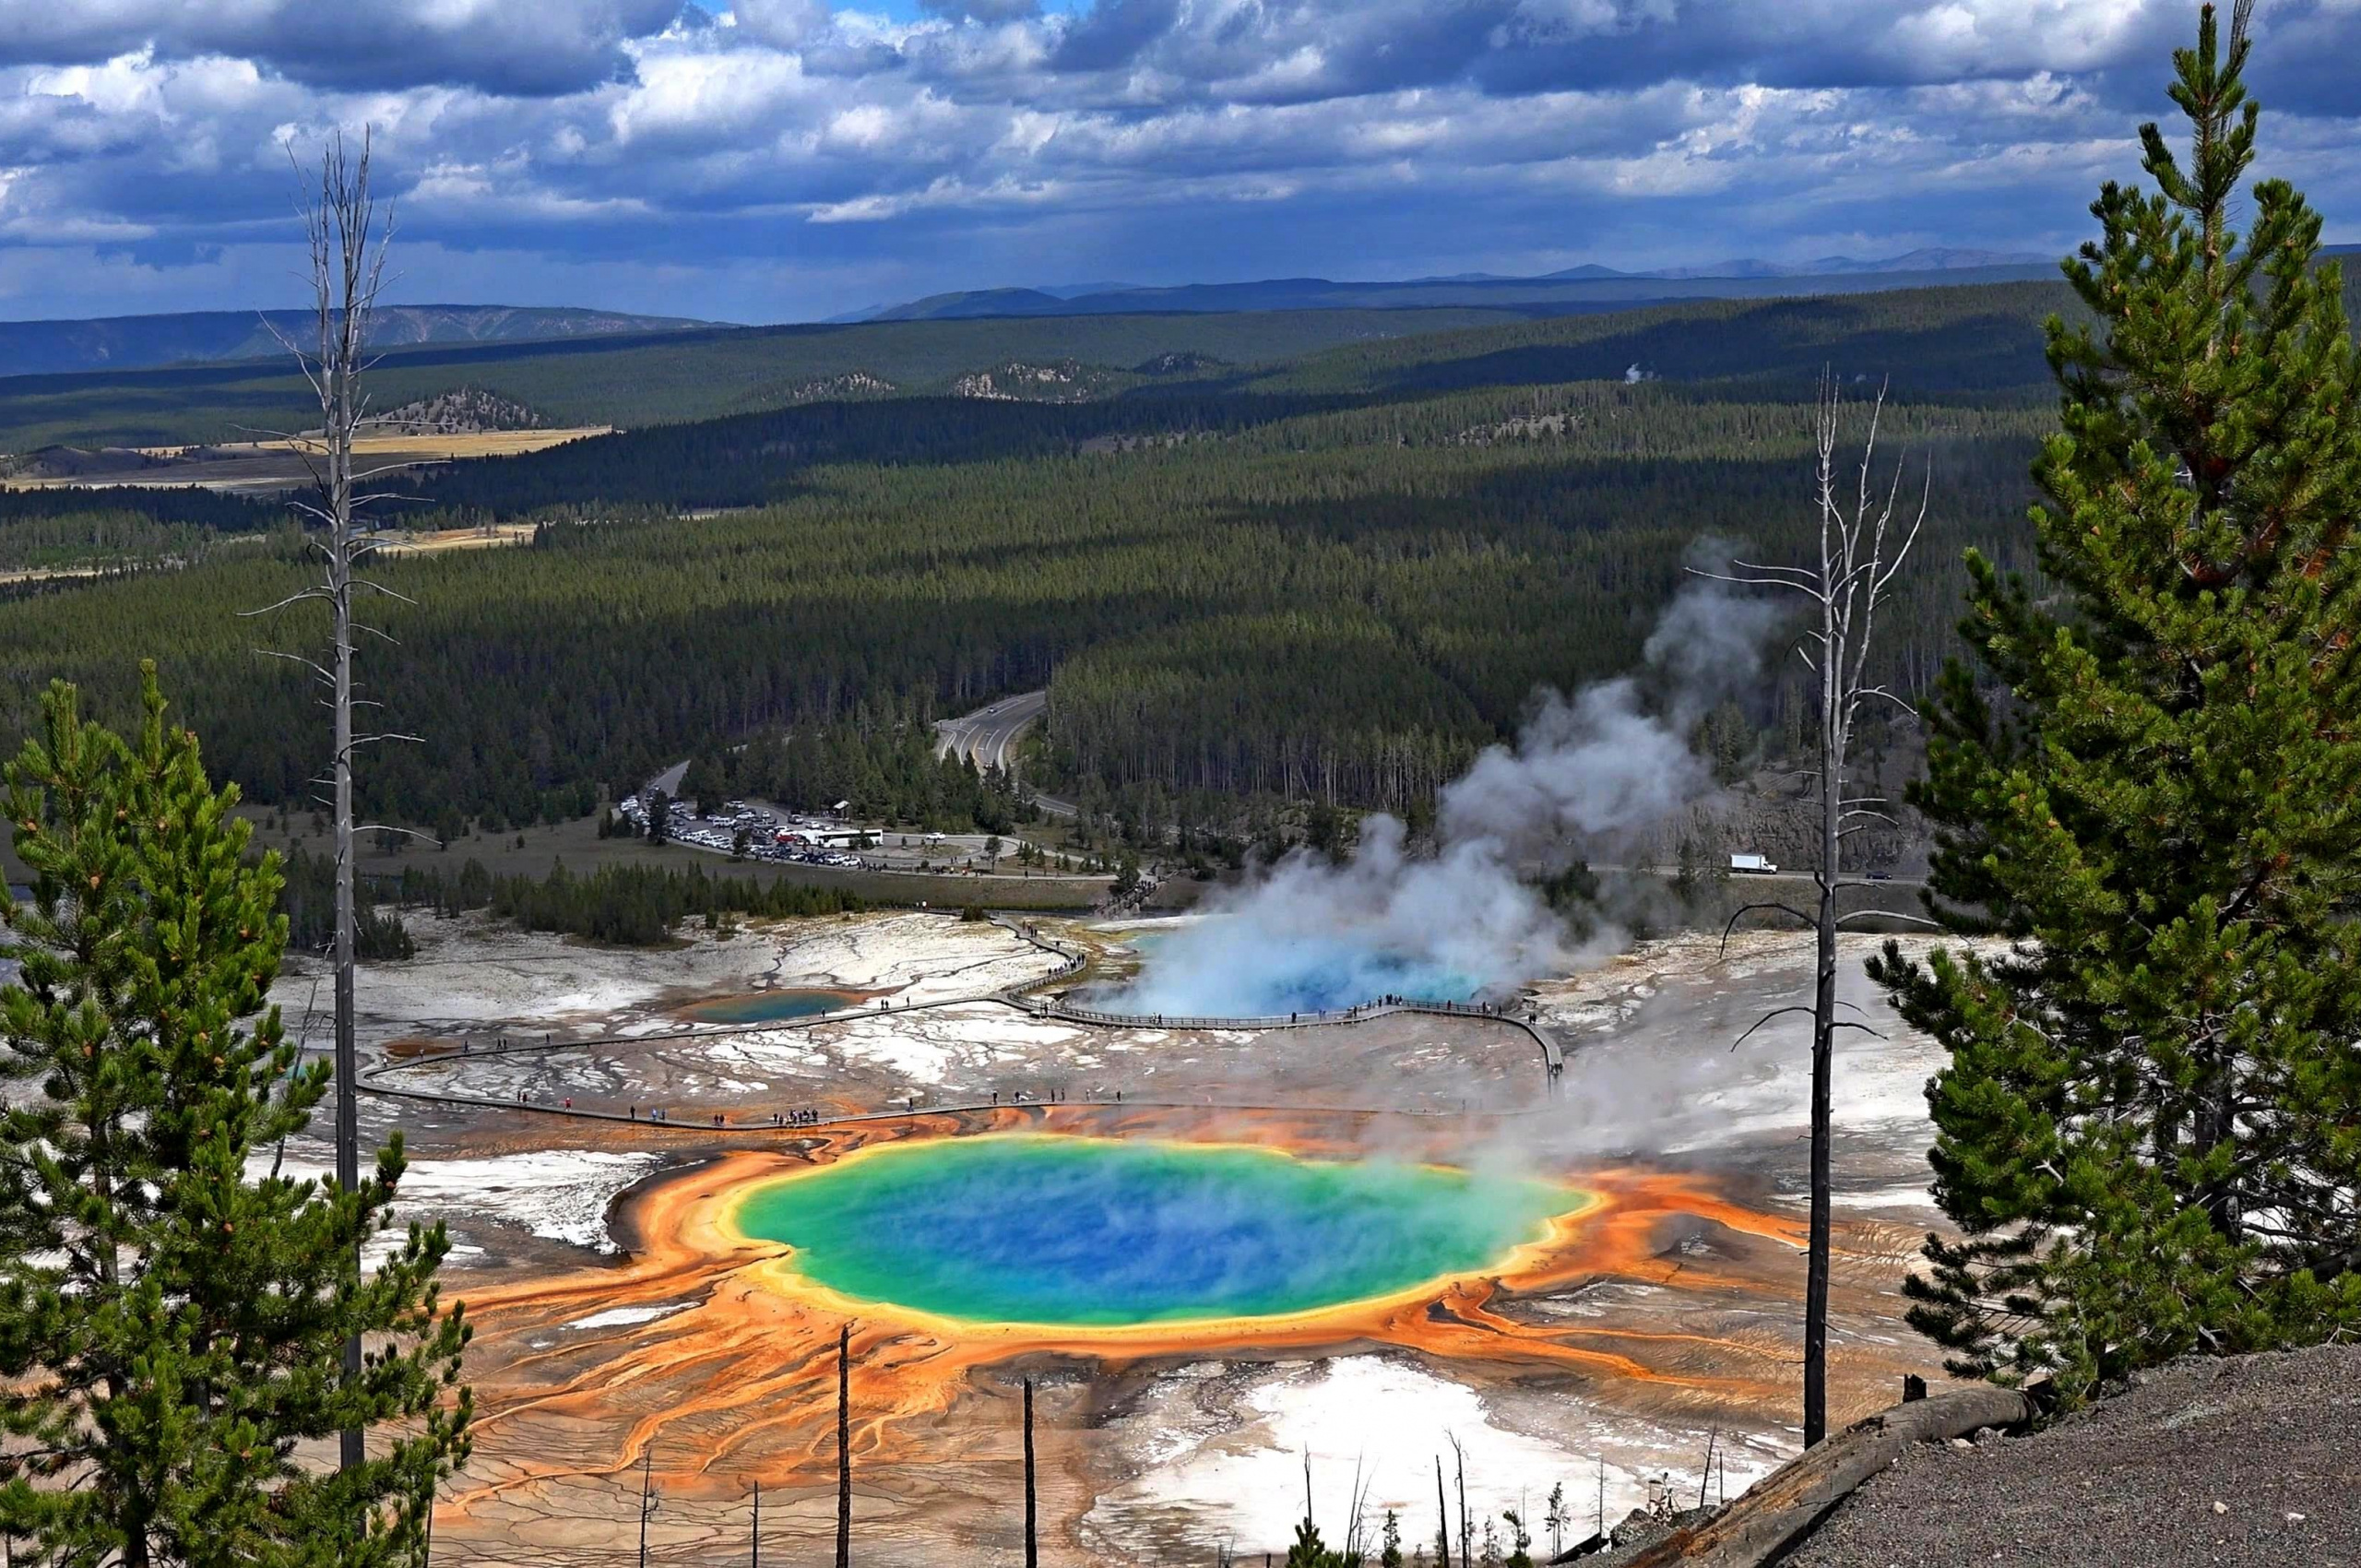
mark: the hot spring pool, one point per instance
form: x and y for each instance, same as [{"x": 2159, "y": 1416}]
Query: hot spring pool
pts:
[
  {"x": 1102, "y": 1233},
  {"x": 770, "y": 1006},
  {"x": 1218, "y": 969}
]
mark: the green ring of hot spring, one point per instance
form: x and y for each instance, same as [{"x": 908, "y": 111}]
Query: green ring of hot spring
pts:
[{"x": 1094, "y": 1233}]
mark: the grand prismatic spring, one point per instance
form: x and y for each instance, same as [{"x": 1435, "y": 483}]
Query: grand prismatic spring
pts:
[{"x": 1097, "y": 1233}]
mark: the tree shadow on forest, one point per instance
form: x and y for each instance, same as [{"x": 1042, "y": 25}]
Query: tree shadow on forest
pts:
[{"x": 1773, "y": 351}]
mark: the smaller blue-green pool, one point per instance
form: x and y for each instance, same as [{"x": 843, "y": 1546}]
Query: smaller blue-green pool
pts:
[{"x": 771, "y": 1007}]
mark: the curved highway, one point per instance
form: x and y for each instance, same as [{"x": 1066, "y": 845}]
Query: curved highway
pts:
[{"x": 989, "y": 738}]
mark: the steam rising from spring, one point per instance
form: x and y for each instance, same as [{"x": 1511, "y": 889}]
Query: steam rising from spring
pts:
[{"x": 1463, "y": 923}]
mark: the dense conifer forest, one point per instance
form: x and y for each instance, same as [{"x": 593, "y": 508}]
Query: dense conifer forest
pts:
[
  {"x": 1341, "y": 604},
  {"x": 102, "y": 528},
  {"x": 1331, "y": 578},
  {"x": 1308, "y": 556},
  {"x": 633, "y": 906}
]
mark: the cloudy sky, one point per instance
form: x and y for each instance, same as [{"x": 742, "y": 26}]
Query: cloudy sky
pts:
[{"x": 785, "y": 160}]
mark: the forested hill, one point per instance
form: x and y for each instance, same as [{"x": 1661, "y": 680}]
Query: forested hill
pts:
[
  {"x": 1580, "y": 291},
  {"x": 133, "y": 342},
  {"x": 1955, "y": 344},
  {"x": 752, "y": 458},
  {"x": 1962, "y": 343},
  {"x": 1344, "y": 602},
  {"x": 1971, "y": 339},
  {"x": 1333, "y": 576},
  {"x": 667, "y": 378}
]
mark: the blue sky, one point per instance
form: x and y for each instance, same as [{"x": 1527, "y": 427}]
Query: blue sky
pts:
[{"x": 787, "y": 159}]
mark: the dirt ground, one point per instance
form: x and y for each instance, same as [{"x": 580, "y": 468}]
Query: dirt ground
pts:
[{"x": 2254, "y": 1460}]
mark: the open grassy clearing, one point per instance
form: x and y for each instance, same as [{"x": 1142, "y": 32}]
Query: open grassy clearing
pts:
[{"x": 265, "y": 466}]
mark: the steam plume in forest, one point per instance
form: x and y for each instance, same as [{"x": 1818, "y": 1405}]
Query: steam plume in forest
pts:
[{"x": 1463, "y": 921}]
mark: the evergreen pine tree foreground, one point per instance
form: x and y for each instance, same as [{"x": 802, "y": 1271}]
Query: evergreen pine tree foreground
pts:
[
  {"x": 2149, "y": 1129},
  {"x": 173, "y": 1307}
]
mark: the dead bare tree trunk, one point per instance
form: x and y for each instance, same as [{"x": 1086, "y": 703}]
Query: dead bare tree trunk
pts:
[
  {"x": 844, "y": 1446},
  {"x": 348, "y": 260},
  {"x": 1442, "y": 1510},
  {"x": 338, "y": 343},
  {"x": 1032, "y": 1538},
  {"x": 647, "y": 1488},
  {"x": 1466, "y": 1527},
  {"x": 1861, "y": 551},
  {"x": 348, "y": 243}
]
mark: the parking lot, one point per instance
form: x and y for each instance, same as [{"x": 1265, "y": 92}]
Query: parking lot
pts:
[{"x": 757, "y": 831}]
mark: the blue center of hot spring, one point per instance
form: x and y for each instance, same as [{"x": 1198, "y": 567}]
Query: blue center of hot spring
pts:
[
  {"x": 1202, "y": 971},
  {"x": 1049, "y": 1230}
]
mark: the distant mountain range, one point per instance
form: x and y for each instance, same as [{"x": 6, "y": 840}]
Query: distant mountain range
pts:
[
  {"x": 1932, "y": 258},
  {"x": 139, "y": 342},
  {"x": 1589, "y": 287}
]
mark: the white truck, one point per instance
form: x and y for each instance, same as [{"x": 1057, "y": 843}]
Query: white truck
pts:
[{"x": 1755, "y": 865}]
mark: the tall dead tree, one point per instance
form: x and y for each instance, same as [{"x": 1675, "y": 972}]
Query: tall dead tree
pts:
[
  {"x": 1865, "y": 538},
  {"x": 347, "y": 243},
  {"x": 647, "y": 1498},
  {"x": 1466, "y": 1527},
  {"x": 1032, "y": 1537},
  {"x": 844, "y": 1446},
  {"x": 346, "y": 282},
  {"x": 1443, "y": 1515}
]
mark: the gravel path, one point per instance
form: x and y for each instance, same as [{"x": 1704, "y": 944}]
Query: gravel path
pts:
[{"x": 2253, "y": 1460}]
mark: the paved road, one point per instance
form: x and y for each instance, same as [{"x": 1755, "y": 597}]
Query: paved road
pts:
[
  {"x": 667, "y": 783},
  {"x": 989, "y": 737}
]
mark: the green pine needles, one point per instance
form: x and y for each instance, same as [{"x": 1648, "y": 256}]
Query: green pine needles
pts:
[
  {"x": 172, "y": 1307},
  {"x": 2150, "y": 1131}
]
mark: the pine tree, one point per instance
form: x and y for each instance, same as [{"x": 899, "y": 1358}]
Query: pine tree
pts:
[
  {"x": 2150, "y": 1130},
  {"x": 1309, "y": 1550},
  {"x": 172, "y": 1323}
]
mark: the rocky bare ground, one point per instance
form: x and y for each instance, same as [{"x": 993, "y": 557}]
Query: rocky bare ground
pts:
[{"x": 2253, "y": 1460}]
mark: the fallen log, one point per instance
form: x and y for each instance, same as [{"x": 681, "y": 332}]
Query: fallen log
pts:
[{"x": 1789, "y": 1500}]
